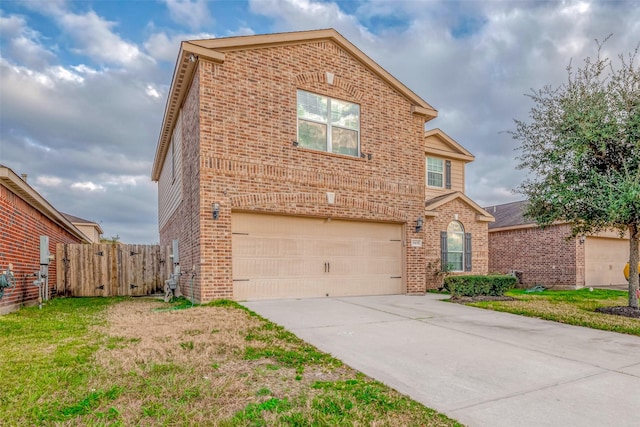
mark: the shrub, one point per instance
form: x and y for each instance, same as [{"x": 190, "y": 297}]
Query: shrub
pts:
[{"x": 471, "y": 286}]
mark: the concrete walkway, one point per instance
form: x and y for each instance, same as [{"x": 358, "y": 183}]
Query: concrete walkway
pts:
[{"x": 480, "y": 367}]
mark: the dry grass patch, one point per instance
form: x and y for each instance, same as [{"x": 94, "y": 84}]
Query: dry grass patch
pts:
[{"x": 223, "y": 365}]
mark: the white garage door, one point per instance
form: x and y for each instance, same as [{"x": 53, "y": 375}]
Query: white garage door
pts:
[
  {"x": 293, "y": 257},
  {"x": 604, "y": 260}
]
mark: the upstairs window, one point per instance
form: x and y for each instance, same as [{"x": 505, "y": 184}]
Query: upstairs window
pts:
[
  {"x": 438, "y": 173},
  {"x": 435, "y": 172},
  {"x": 328, "y": 124}
]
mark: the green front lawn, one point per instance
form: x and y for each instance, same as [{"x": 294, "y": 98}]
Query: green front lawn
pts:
[{"x": 571, "y": 307}]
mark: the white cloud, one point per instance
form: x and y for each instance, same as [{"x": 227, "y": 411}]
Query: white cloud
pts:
[
  {"x": 61, "y": 73},
  {"x": 152, "y": 91},
  {"x": 124, "y": 180},
  {"x": 163, "y": 47},
  {"x": 11, "y": 26},
  {"x": 93, "y": 36},
  {"x": 242, "y": 31},
  {"x": 292, "y": 15},
  {"x": 49, "y": 181},
  {"x": 191, "y": 13},
  {"x": 25, "y": 45},
  {"x": 87, "y": 186},
  {"x": 83, "y": 69}
]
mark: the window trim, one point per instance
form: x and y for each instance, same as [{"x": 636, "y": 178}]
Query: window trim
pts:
[
  {"x": 328, "y": 124},
  {"x": 467, "y": 251},
  {"x": 462, "y": 251}
]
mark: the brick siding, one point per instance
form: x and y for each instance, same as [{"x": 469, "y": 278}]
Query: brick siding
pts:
[
  {"x": 184, "y": 224},
  {"x": 479, "y": 242},
  {"x": 544, "y": 256},
  {"x": 21, "y": 226}
]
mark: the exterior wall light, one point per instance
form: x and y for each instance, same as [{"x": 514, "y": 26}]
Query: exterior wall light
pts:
[
  {"x": 419, "y": 223},
  {"x": 215, "y": 210}
]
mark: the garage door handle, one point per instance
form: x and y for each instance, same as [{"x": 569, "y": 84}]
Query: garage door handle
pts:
[{"x": 328, "y": 267}]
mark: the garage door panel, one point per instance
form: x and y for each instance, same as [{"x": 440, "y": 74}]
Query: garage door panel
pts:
[
  {"x": 310, "y": 287},
  {"x": 604, "y": 260},
  {"x": 292, "y": 257},
  {"x": 251, "y": 268}
]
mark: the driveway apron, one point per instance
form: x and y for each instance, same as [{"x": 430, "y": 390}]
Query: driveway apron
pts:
[{"x": 480, "y": 367}]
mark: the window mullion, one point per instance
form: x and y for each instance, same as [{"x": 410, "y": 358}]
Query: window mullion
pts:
[{"x": 329, "y": 132}]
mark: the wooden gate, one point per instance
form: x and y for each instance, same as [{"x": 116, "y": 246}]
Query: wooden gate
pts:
[{"x": 107, "y": 269}]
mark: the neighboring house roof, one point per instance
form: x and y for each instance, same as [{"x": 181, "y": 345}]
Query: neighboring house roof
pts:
[
  {"x": 510, "y": 215},
  {"x": 433, "y": 204},
  {"x": 213, "y": 50},
  {"x": 19, "y": 186},
  {"x": 456, "y": 151},
  {"x": 80, "y": 221}
]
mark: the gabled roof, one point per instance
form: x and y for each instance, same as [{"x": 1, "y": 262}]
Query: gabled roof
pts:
[
  {"x": 510, "y": 215},
  {"x": 75, "y": 220},
  {"x": 19, "y": 186},
  {"x": 214, "y": 50},
  {"x": 455, "y": 150},
  {"x": 432, "y": 205}
]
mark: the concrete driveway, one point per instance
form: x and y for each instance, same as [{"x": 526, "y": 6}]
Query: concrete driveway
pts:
[{"x": 480, "y": 367}]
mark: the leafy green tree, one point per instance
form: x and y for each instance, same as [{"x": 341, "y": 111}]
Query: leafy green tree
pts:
[
  {"x": 114, "y": 239},
  {"x": 581, "y": 147}
]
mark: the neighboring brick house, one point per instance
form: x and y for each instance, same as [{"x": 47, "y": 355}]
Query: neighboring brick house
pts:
[
  {"x": 550, "y": 256},
  {"x": 91, "y": 229},
  {"x": 292, "y": 165},
  {"x": 25, "y": 216}
]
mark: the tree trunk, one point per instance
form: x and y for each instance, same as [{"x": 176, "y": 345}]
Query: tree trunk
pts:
[{"x": 634, "y": 258}]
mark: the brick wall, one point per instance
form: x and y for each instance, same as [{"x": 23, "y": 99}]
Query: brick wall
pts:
[
  {"x": 246, "y": 125},
  {"x": 184, "y": 224},
  {"x": 479, "y": 243},
  {"x": 21, "y": 226},
  {"x": 544, "y": 256}
]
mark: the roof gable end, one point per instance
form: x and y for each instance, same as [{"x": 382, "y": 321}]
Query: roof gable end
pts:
[
  {"x": 431, "y": 206},
  {"x": 214, "y": 50},
  {"x": 301, "y": 37},
  {"x": 446, "y": 146}
]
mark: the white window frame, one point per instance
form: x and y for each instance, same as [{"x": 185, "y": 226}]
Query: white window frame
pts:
[
  {"x": 328, "y": 124},
  {"x": 441, "y": 172}
]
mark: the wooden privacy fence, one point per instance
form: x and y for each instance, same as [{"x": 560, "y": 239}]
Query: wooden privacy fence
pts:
[{"x": 107, "y": 269}]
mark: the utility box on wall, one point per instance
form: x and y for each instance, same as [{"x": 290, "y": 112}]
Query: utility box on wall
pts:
[{"x": 44, "y": 250}]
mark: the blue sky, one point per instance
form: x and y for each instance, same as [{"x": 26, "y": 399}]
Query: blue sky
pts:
[{"x": 83, "y": 84}]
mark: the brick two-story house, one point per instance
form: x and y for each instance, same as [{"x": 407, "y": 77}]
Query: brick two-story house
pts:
[{"x": 292, "y": 165}]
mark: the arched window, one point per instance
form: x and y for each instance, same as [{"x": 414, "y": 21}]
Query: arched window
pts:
[{"x": 455, "y": 247}]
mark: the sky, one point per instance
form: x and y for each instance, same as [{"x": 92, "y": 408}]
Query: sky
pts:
[{"x": 83, "y": 84}]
